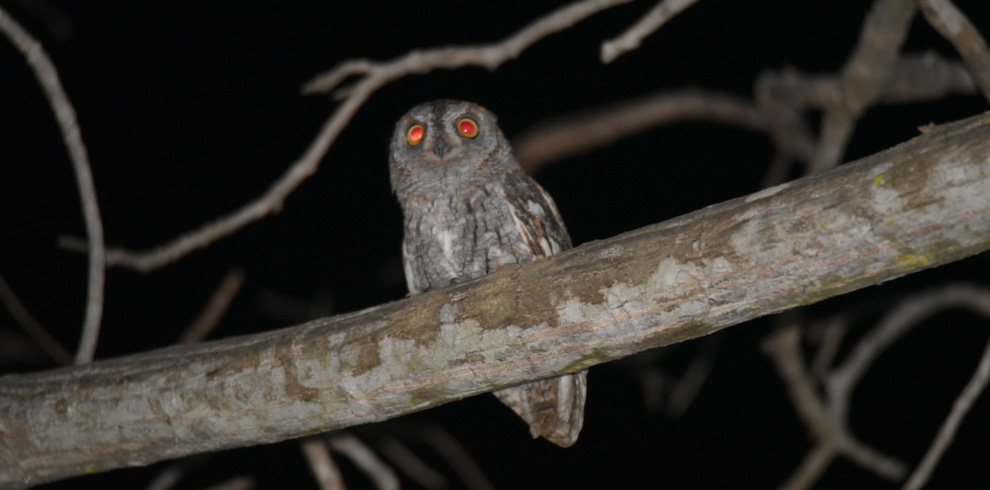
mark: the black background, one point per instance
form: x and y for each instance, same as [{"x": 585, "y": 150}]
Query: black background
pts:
[{"x": 190, "y": 109}]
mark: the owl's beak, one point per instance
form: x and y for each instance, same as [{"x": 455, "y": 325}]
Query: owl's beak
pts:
[{"x": 440, "y": 147}]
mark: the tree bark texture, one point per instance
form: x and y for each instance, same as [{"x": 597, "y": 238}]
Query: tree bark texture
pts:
[{"x": 918, "y": 205}]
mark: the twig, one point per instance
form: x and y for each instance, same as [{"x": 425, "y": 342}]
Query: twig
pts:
[
  {"x": 948, "y": 430},
  {"x": 455, "y": 454},
  {"x": 830, "y": 339},
  {"x": 208, "y": 319},
  {"x": 823, "y": 420},
  {"x": 321, "y": 463},
  {"x": 782, "y": 98},
  {"x": 910, "y": 312},
  {"x": 863, "y": 77},
  {"x": 47, "y": 75},
  {"x": 653, "y": 20},
  {"x": 953, "y": 25},
  {"x": 364, "y": 458},
  {"x": 412, "y": 465},
  {"x": 828, "y": 419},
  {"x": 32, "y": 327},
  {"x": 375, "y": 75},
  {"x": 689, "y": 385},
  {"x": 564, "y": 136},
  {"x": 236, "y": 483}
]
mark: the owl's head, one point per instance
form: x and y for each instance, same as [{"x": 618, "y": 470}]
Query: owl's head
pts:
[{"x": 447, "y": 141}]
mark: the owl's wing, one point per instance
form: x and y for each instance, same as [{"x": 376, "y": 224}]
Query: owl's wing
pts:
[
  {"x": 536, "y": 216},
  {"x": 553, "y": 407}
]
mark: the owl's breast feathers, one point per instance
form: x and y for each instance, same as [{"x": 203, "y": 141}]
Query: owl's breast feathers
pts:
[{"x": 464, "y": 232}]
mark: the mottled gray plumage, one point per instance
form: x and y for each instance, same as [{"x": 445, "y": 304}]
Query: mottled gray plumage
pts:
[{"x": 470, "y": 210}]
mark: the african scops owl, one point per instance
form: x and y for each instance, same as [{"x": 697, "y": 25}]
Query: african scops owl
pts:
[{"x": 470, "y": 210}]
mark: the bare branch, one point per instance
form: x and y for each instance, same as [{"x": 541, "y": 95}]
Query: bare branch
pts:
[
  {"x": 781, "y": 100},
  {"x": 863, "y": 77},
  {"x": 960, "y": 408},
  {"x": 830, "y": 430},
  {"x": 489, "y": 56},
  {"x": 364, "y": 458},
  {"x": 953, "y": 25},
  {"x": 375, "y": 75},
  {"x": 915, "y": 206},
  {"x": 458, "y": 457},
  {"x": 653, "y": 20},
  {"x": 828, "y": 419},
  {"x": 236, "y": 483},
  {"x": 214, "y": 309},
  {"x": 47, "y": 75},
  {"x": 830, "y": 339},
  {"x": 321, "y": 463},
  {"x": 689, "y": 385},
  {"x": 564, "y": 136},
  {"x": 31, "y": 326},
  {"x": 412, "y": 465}
]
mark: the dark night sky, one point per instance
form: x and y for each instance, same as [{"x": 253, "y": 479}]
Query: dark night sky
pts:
[{"x": 190, "y": 109}]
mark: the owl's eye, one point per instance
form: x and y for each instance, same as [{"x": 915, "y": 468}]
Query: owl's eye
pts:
[
  {"x": 467, "y": 127},
  {"x": 415, "y": 134}
]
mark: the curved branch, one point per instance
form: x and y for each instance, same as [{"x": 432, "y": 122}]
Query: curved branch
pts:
[
  {"x": 913, "y": 207},
  {"x": 375, "y": 75},
  {"x": 47, "y": 75},
  {"x": 653, "y": 20},
  {"x": 568, "y": 135},
  {"x": 954, "y": 26}
]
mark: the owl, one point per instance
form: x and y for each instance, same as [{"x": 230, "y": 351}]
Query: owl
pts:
[{"x": 470, "y": 210}]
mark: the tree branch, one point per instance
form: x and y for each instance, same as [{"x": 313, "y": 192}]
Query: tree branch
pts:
[
  {"x": 918, "y": 205},
  {"x": 374, "y": 76},
  {"x": 47, "y": 75},
  {"x": 953, "y": 25}
]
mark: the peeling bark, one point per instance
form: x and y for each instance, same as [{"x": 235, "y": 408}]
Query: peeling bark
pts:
[{"x": 918, "y": 205}]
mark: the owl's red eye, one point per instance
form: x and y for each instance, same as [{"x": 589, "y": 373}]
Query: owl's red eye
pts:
[
  {"x": 467, "y": 127},
  {"x": 415, "y": 134}
]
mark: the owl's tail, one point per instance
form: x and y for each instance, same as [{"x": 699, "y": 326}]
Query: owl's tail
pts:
[{"x": 553, "y": 408}]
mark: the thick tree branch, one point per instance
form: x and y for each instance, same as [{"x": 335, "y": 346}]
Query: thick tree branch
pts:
[{"x": 915, "y": 206}]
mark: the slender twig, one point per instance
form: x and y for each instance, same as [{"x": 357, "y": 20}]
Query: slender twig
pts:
[
  {"x": 953, "y": 25},
  {"x": 32, "y": 327},
  {"x": 411, "y": 464},
  {"x": 821, "y": 418},
  {"x": 829, "y": 341},
  {"x": 863, "y": 77},
  {"x": 781, "y": 99},
  {"x": 364, "y": 458},
  {"x": 811, "y": 468},
  {"x": 828, "y": 418},
  {"x": 907, "y": 314},
  {"x": 689, "y": 385},
  {"x": 459, "y": 459},
  {"x": 321, "y": 463},
  {"x": 564, "y": 136},
  {"x": 948, "y": 430},
  {"x": 374, "y": 76},
  {"x": 653, "y": 20},
  {"x": 208, "y": 319},
  {"x": 47, "y": 75},
  {"x": 235, "y": 483}
]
